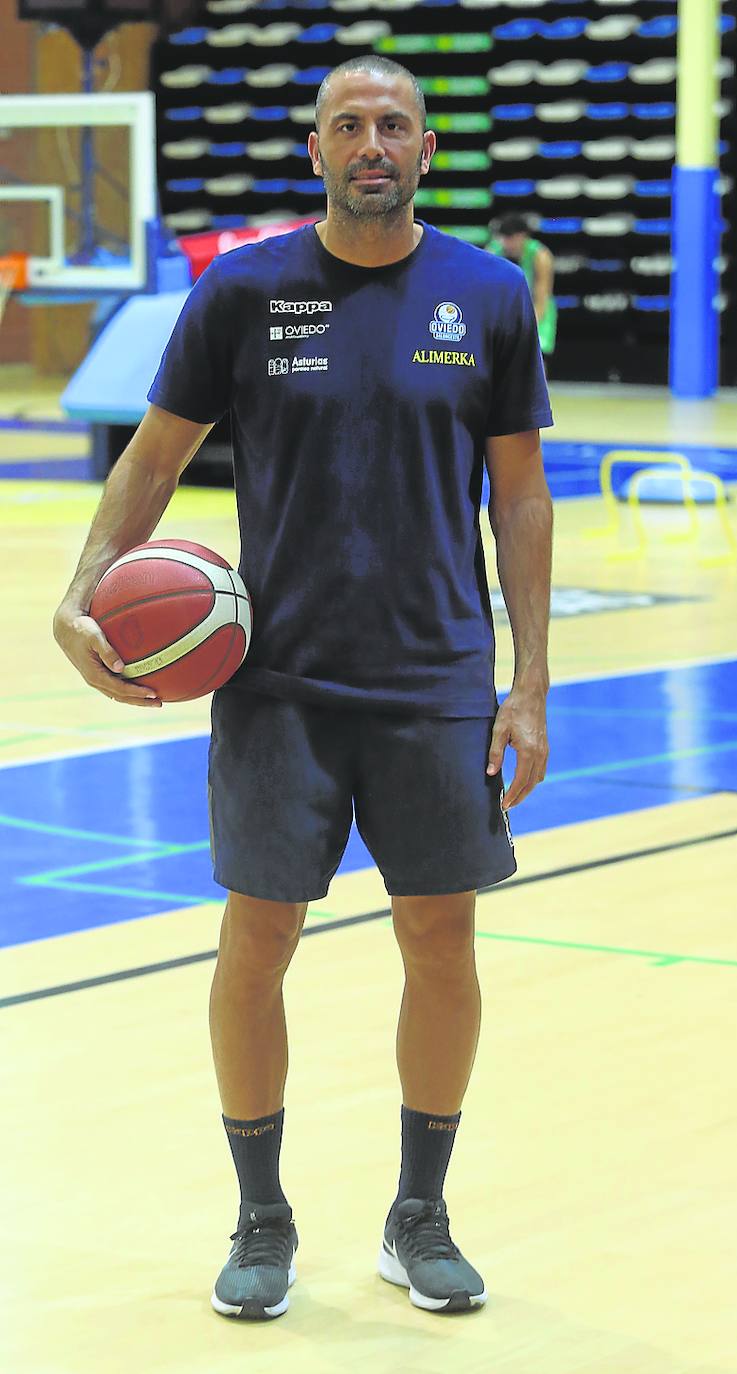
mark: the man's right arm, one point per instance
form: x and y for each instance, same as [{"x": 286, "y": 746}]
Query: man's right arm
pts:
[{"x": 134, "y": 498}]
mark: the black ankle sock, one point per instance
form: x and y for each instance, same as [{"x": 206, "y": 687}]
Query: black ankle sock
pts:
[
  {"x": 255, "y": 1146},
  {"x": 427, "y": 1142}
]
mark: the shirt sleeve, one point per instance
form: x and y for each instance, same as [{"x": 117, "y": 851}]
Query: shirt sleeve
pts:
[
  {"x": 519, "y": 398},
  {"x": 195, "y": 373}
]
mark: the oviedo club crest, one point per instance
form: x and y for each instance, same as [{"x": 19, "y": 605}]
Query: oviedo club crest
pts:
[{"x": 447, "y": 322}]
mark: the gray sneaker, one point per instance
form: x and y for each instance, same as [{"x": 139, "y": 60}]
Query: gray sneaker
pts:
[
  {"x": 260, "y": 1267},
  {"x": 418, "y": 1253}
]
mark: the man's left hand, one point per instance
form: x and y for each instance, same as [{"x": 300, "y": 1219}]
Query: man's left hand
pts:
[{"x": 520, "y": 722}]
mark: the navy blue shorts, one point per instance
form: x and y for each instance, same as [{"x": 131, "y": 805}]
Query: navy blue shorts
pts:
[{"x": 285, "y": 776}]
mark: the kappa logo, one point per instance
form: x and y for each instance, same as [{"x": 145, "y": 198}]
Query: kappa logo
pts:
[{"x": 299, "y": 307}]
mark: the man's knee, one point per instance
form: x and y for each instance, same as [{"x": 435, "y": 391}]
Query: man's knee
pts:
[
  {"x": 437, "y": 930},
  {"x": 262, "y": 934}
]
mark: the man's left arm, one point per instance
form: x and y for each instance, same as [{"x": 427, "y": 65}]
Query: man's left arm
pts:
[{"x": 521, "y": 517}]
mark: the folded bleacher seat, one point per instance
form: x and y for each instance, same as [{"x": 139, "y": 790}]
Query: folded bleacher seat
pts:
[
  {"x": 556, "y": 225},
  {"x": 519, "y": 188},
  {"x": 606, "y": 149},
  {"x": 560, "y": 149},
  {"x": 560, "y": 111},
  {"x": 607, "y": 73},
  {"x": 564, "y": 72},
  {"x": 655, "y": 110},
  {"x": 608, "y": 188},
  {"x": 514, "y": 149},
  {"x": 182, "y": 77},
  {"x": 613, "y": 110},
  {"x": 655, "y": 72},
  {"x": 613, "y": 29},
  {"x": 513, "y": 74},
  {"x": 186, "y": 114},
  {"x": 610, "y": 304},
  {"x": 608, "y": 226},
  {"x": 561, "y": 188}
]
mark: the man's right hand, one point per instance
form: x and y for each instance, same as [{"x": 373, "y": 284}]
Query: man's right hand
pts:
[{"x": 99, "y": 663}]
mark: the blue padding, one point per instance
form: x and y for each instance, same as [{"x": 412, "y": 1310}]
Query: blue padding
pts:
[
  {"x": 186, "y": 184},
  {"x": 727, "y": 23},
  {"x": 652, "y": 226},
  {"x": 651, "y": 303},
  {"x": 665, "y": 487},
  {"x": 694, "y": 336},
  {"x": 186, "y": 36},
  {"x": 187, "y": 113},
  {"x": 513, "y": 112},
  {"x": 612, "y": 110},
  {"x": 564, "y": 28},
  {"x": 311, "y": 76},
  {"x": 229, "y": 76},
  {"x": 571, "y": 225},
  {"x": 606, "y": 264},
  {"x": 110, "y": 386},
  {"x": 608, "y": 71},
  {"x": 517, "y": 29},
  {"x": 657, "y": 109},
  {"x": 562, "y": 149},
  {"x": 513, "y": 188},
  {"x": 319, "y": 33},
  {"x": 665, "y": 26},
  {"x": 568, "y": 302},
  {"x": 268, "y": 113},
  {"x": 313, "y": 187},
  {"x": 652, "y": 188},
  {"x": 228, "y": 149}
]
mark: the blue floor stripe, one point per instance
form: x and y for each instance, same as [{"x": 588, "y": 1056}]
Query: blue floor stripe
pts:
[{"x": 67, "y": 825}]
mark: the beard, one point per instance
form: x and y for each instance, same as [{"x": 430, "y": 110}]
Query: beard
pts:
[{"x": 363, "y": 204}]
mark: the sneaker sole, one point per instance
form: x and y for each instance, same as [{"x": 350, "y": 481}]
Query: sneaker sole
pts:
[
  {"x": 460, "y": 1300},
  {"x": 252, "y": 1309}
]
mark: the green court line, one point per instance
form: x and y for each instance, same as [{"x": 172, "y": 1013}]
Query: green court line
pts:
[
  {"x": 660, "y": 960},
  {"x": 21, "y": 739},
  {"x": 16, "y": 823},
  {"x": 50, "y": 878},
  {"x": 642, "y": 762},
  {"x": 176, "y": 898}
]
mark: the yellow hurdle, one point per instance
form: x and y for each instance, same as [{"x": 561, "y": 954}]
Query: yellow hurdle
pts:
[{"x": 720, "y": 505}]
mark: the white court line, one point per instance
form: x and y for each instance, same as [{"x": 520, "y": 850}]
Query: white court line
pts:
[{"x": 502, "y": 687}]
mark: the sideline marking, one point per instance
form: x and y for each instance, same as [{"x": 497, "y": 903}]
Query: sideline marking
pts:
[{"x": 660, "y": 958}]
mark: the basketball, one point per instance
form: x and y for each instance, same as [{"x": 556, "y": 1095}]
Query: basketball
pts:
[{"x": 177, "y": 614}]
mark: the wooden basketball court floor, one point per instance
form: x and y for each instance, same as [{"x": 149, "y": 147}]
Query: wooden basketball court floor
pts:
[{"x": 593, "y": 1176}]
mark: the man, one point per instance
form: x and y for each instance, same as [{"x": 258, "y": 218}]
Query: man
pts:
[
  {"x": 516, "y": 244},
  {"x": 369, "y": 363}
]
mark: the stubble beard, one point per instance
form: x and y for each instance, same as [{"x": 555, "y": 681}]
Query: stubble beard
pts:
[{"x": 351, "y": 203}]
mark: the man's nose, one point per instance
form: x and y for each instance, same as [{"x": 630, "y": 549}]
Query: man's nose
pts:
[{"x": 372, "y": 143}]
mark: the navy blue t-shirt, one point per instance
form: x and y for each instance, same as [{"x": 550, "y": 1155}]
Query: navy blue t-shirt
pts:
[{"x": 360, "y": 399}]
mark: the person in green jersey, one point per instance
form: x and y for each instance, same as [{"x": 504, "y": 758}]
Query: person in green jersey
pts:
[{"x": 513, "y": 241}]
